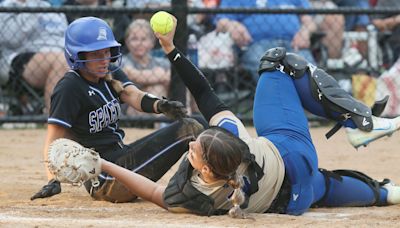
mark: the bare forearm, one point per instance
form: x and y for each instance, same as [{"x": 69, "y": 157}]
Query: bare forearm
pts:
[
  {"x": 387, "y": 23},
  {"x": 53, "y": 132},
  {"x": 136, "y": 183},
  {"x": 133, "y": 97}
]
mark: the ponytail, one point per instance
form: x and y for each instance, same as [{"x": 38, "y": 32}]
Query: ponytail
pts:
[
  {"x": 117, "y": 85},
  {"x": 237, "y": 197}
]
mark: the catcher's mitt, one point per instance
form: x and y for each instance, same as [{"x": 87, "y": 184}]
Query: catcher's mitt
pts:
[{"x": 72, "y": 163}]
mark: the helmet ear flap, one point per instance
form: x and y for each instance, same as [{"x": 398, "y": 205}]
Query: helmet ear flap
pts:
[{"x": 115, "y": 53}]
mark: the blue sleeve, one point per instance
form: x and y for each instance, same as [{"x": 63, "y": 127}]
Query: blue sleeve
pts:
[
  {"x": 229, "y": 125},
  {"x": 353, "y": 20},
  {"x": 363, "y": 19}
]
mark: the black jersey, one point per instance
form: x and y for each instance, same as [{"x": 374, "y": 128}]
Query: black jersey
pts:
[{"x": 90, "y": 110}]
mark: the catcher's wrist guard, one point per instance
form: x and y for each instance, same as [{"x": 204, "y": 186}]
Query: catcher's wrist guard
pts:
[{"x": 70, "y": 162}]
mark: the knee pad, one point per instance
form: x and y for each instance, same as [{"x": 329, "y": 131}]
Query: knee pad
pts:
[{"x": 278, "y": 59}]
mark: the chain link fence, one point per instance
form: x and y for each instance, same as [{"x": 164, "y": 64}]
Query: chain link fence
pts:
[{"x": 364, "y": 59}]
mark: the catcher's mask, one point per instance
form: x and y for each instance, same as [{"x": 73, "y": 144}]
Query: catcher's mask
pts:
[{"x": 89, "y": 34}]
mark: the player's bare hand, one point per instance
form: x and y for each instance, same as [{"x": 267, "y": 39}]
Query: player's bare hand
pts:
[
  {"x": 50, "y": 189},
  {"x": 301, "y": 40},
  {"x": 167, "y": 41},
  {"x": 239, "y": 33}
]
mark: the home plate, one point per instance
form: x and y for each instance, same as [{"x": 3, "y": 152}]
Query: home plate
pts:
[{"x": 324, "y": 215}]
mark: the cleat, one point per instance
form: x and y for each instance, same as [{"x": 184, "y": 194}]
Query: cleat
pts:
[
  {"x": 393, "y": 196},
  {"x": 381, "y": 127}
]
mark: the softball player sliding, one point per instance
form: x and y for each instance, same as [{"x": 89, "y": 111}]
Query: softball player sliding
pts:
[{"x": 85, "y": 107}]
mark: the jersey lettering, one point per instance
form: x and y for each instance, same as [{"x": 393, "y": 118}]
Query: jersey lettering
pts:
[{"x": 104, "y": 116}]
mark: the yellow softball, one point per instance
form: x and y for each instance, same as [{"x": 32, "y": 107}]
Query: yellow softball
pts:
[{"x": 162, "y": 22}]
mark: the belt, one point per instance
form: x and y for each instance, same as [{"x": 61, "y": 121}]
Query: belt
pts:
[{"x": 281, "y": 201}]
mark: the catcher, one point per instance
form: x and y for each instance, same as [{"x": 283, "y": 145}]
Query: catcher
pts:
[
  {"x": 85, "y": 107},
  {"x": 227, "y": 171}
]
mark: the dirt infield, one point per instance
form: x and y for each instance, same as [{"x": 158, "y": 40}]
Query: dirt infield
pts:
[{"x": 22, "y": 174}]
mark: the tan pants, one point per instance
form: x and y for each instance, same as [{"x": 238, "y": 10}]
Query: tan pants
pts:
[{"x": 112, "y": 191}]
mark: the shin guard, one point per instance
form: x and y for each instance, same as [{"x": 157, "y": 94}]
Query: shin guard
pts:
[
  {"x": 338, "y": 176},
  {"x": 324, "y": 88},
  {"x": 333, "y": 98}
]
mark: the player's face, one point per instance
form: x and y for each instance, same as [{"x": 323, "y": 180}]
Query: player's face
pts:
[
  {"x": 195, "y": 155},
  {"x": 98, "y": 62}
]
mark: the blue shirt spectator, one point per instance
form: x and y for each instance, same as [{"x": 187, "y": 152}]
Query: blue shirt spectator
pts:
[
  {"x": 256, "y": 33},
  {"x": 353, "y": 21},
  {"x": 266, "y": 25},
  {"x": 56, "y": 2}
]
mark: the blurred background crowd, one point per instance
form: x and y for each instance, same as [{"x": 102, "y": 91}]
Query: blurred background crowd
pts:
[{"x": 361, "y": 50}]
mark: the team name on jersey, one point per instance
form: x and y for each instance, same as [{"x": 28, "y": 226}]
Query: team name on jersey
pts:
[{"x": 104, "y": 116}]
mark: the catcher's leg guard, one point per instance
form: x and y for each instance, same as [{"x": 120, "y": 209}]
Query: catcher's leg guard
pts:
[
  {"x": 340, "y": 105},
  {"x": 352, "y": 188},
  {"x": 334, "y": 99},
  {"x": 336, "y": 103}
]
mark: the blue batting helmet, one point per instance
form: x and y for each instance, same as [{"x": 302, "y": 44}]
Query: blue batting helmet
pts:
[{"x": 88, "y": 34}]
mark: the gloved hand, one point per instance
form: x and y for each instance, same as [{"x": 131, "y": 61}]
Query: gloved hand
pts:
[
  {"x": 50, "y": 189},
  {"x": 172, "y": 109},
  {"x": 70, "y": 162}
]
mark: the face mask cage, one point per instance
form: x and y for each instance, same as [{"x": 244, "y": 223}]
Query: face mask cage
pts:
[{"x": 115, "y": 61}]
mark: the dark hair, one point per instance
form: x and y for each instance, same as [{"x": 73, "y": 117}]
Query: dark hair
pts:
[{"x": 223, "y": 151}]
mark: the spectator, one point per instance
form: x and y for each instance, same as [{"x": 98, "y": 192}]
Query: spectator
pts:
[
  {"x": 356, "y": 22},
  {"x": 33, "y": 46},
  {"x": 151, "y": 74},
  {"x": 332, "y": 25},
  {"x": 255, "y": 33},
  {"x": 389, "y": 23},
  {"x": 148, "y": 3},
  {"x": 56, "y": 2},
  {"x": 389, "y": 81},
  {"x": 118, "y": 22}
]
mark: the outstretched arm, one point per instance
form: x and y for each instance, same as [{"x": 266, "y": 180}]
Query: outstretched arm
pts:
[
  {"x": 136, "y": 183},
  {"x": 206, "y": 99}
]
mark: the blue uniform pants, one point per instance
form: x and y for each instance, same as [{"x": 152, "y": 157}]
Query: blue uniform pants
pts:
[{"x": 279, "y": 116}]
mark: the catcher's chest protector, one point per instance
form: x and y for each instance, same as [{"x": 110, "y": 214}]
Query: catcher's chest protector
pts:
[{"x": 180, "y": 195}]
